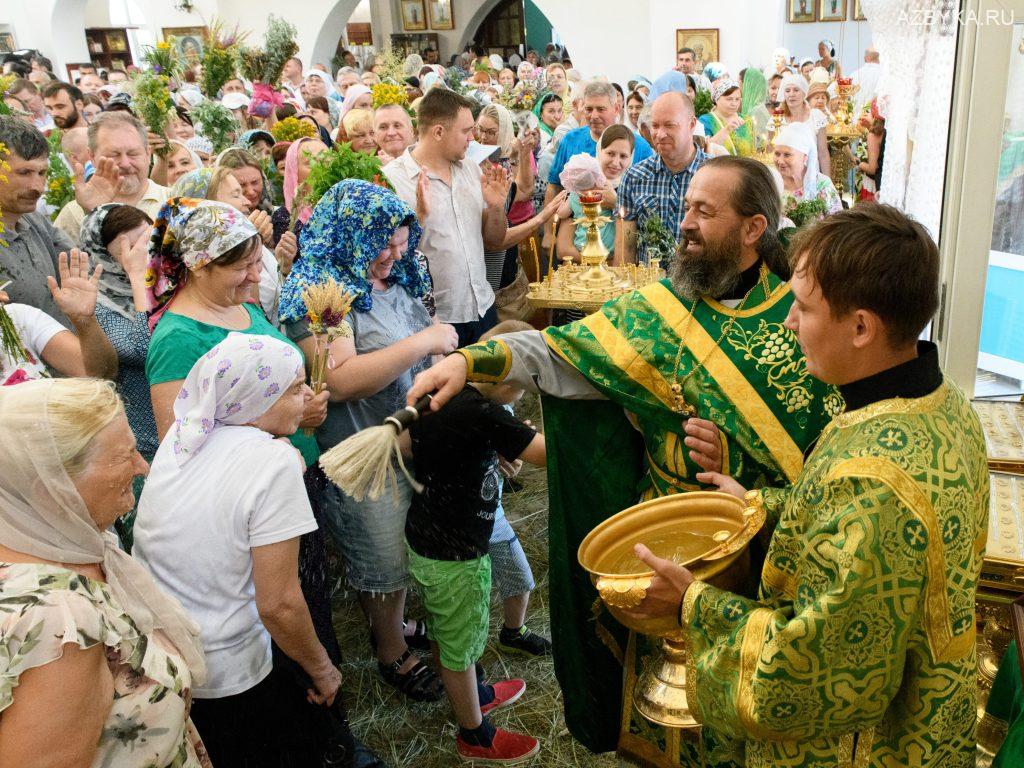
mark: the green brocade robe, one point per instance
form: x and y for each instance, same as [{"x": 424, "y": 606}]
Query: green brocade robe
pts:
[
  {"x": 860, "y": 650},
  {"x": 750, "y": 379}
]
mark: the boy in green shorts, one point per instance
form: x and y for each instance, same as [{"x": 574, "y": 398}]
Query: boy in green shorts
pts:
[{"x": 447, "y": 533}]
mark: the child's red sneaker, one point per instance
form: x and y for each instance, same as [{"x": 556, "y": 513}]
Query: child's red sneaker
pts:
[
  {"x": 505, "y": 692},
  {"x": 507, "y": 748}
]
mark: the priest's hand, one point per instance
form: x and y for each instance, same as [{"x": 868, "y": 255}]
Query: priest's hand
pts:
[
  {"x": 705, "y": 444},
  {"x": 668, "y": 586},
  {"x": 444, "y": 381},
  {"x": 724, "y": 483}
]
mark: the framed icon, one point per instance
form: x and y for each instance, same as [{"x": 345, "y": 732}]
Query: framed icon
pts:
[
  {"x": 441, "y": 16},
  {"x": 831, "y": 10},
  {"x": 858, "y": 12},
  {"x": 801, "y": 11},
  {"x": 414, "y": 15},
  {"x": 704, "y": 43}
]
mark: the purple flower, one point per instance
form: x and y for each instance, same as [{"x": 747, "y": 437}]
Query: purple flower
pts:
[
  {"x": 272, "y": 389},
  {"x": 206, "y": 426},
  {"x": 183, "y": 394},
  {"x": 255, "y": 344},
  {"x": 263, "y": 372},
  {"x": 233, "y": 409},
  {"x": 222, "y": 368}
]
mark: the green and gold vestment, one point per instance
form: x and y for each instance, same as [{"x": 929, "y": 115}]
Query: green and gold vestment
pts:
[
  {"x": 748, "y": 377},
  {"x": 860, "y": 650}
]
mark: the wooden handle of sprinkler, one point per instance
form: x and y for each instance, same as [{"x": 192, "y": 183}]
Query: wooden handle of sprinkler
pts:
[{"x": 405, "y": 417}]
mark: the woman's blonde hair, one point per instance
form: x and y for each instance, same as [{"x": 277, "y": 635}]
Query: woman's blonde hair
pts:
[
  {"x": 506, "y": 131},
  {"x": 218, "y": 177},
  {"x": 356, "y": 119},
  {"x": 77, "y": 410}
]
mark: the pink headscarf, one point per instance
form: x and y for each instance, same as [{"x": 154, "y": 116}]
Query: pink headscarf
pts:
[
  {"x": 354, "y": 92},
  {"x": 291, "y": 177}
]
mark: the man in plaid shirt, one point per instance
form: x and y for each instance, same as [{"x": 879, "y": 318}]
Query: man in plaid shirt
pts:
[{"x": 656, "y": 186}]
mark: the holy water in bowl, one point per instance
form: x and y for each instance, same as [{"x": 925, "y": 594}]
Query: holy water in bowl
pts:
[{"x": 679, "y": 543}]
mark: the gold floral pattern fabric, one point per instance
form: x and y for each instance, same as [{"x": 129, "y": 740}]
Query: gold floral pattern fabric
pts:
[
  {"x": 860, "y": 649},
  {"x": 44, "y": 607}
]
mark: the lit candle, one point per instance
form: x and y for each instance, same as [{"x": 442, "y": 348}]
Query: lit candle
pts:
[{"x": 551, "y": 251}]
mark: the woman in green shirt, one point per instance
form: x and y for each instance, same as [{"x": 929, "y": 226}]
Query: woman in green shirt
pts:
[{"x": 203, "y": 276}]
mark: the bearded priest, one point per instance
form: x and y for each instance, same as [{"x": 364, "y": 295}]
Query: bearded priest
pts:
[
  {"x": 860, "y": 649},
  {"x": 693, "y": 373}
]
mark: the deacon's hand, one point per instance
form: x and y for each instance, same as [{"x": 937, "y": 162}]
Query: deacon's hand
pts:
[
  {"x": 444, "y": 381},
  {"x": 668, "y": 585},
  {"x": 705, "y": 444},
  {"x": 724, "y": 483}
]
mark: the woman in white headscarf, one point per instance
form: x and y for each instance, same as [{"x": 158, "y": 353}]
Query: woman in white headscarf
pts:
[
  {"x": 796, "y": 159},
  {"x": 224, "y": 539},
  {"x": 111, "y": 657},
  {"x": 795, "y": 109}
]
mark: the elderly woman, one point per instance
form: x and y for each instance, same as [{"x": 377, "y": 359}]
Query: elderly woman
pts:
[
  {"x": 178, "y": 161},
  {"x": 795, "y": 109},
  {"x": 365, "y": 237},
  {"x": 356, "y": 97},
  {"x": 239, "y": 576},
  {"x": 357, "y": 129},
  {"x": 318, "y": 84},
  {"x": 796, "y": 159},
  {"x": 724, "y": 125},
  {"x": 98, "y": 663}
]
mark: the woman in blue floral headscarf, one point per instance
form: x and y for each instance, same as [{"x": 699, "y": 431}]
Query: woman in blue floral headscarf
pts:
[{"x": 364, "y": 237}]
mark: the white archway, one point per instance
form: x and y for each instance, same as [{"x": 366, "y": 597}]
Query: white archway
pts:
[{"x": 331, "y": 29}]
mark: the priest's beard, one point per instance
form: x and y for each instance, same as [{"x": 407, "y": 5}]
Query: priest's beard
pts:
[{"x": 713, "y": 271}]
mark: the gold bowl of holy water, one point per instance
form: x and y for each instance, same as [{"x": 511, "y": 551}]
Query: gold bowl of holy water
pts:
[{"x": 704, "y": 531}]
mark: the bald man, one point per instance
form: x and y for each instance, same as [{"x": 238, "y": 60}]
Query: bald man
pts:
[
  {"x": 656, "y": 186},
  {"x": 74, "y": 143}
]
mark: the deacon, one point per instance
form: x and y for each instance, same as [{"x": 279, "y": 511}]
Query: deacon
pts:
[
  {"x": 860, "y": 648},
  {"x": 692, "y": 373}
]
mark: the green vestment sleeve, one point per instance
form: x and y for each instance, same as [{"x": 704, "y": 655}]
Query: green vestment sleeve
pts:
[{"x": 830, "y": 661}]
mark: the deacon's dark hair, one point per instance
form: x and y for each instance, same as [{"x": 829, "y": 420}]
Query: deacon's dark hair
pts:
[
  {"x": 22, "y": 139},
  {"x": 440, "y": 107},
  {"x": 52, "y": 89},
  {"x": 873, "y": 257},
  {"x": 123, "y": 218},
  {"x": 755, "y": 193}
]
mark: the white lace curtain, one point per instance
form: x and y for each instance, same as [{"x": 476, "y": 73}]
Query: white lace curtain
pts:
[{"x": 917, "y": 54}]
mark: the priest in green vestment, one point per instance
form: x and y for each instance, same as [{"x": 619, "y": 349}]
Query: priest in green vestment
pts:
[
  {"x": 860, "y": 647},
  {"x": 692, "y": 373}
]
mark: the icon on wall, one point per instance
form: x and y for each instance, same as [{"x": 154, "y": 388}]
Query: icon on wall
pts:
[
  {"x": 831, "y": 10},
  {"x": 414, "y": 15},
  {"x": 801, "y": 11},
  {"x": 704, "y": 43},
  {"x": 858, "y": 12},
  {"x": 441, "y": 14}
]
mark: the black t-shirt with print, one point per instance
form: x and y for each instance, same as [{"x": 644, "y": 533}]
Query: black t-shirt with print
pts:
[{"x": 456, "y": 451}]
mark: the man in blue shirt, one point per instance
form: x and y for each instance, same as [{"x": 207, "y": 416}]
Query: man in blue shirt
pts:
[
  {"x": 600, "y": 109},
  {"x": 657, "y": 185}
]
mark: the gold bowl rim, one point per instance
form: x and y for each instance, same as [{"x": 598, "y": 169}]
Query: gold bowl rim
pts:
[{"x": 695, "y": 495}]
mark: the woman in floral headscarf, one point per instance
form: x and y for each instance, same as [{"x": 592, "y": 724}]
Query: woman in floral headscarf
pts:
[
  {"x": 364, "y": 237},
  {"x": 238, "y": 577},
  {"x": 204, "y": 263}
]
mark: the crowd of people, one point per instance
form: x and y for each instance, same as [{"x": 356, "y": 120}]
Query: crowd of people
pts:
[{"x": 165, "y": 523}]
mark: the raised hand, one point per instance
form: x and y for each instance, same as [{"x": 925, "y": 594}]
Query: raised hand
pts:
[
  {"x": 76, "y": 294},
  {"x": 444, "y": 380},
  {"x": 551, "y": 208},
  {"x": 422, "y": 196},
  {"x": 286, "y": 251},
  {"x": 156, "y": 141},
  {"x": 101, "y": 187},
  {"x": 724, "y": 483},
  {"x": 705, "y": 444},
  {"x": 384, "y": 157},
  {"x": 495, "y": 184}
]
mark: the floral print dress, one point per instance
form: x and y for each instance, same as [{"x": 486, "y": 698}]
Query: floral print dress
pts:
[{"x": 44, "y": 607}]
